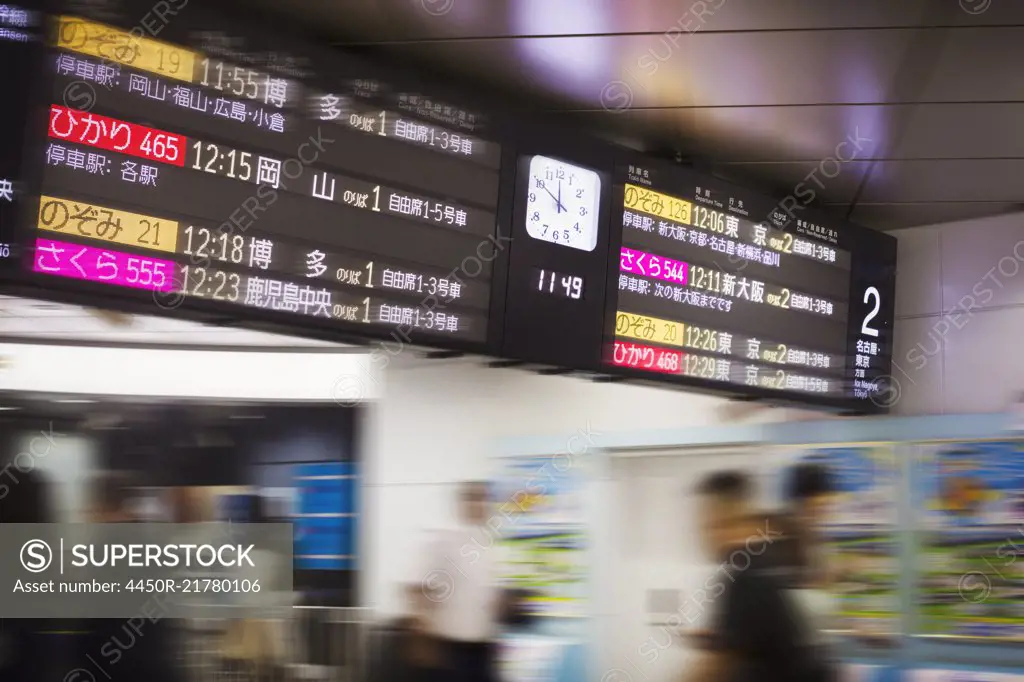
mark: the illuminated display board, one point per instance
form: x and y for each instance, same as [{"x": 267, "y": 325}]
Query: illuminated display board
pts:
[
  {"x": 194, "y": 182},
  {"x": 181, "y": 169},
  {"x": 19, "y": 44},
  {"x": 716, "y": 285}
]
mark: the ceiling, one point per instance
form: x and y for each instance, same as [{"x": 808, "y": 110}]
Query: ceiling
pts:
[{"x": 760, "y": 91}]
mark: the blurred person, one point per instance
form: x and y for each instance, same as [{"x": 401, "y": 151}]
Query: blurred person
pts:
[
  {"x": 405, "y": 649},
  {"x": 29, "y": 647},
  {"x": 258, "y": 644},
  {"x": 809, "y": 495},
  {"x": 813, "y": 600},
  {"x": 756, "y": 634},
  {"x": 782, "y": 552},
  {"x": 461, "y": 587},
  {"x": 130, "y": 656},
  {"x": 421, "y": 649}
]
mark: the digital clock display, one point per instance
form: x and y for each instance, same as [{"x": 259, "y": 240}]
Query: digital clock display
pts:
[{"x": 558, "y": 284}]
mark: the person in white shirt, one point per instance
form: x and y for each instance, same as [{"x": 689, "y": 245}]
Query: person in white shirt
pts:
[{"x": 461, "y": 584}]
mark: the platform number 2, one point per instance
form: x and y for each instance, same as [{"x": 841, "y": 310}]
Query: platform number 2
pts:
[{"x": 869, "y": 294}]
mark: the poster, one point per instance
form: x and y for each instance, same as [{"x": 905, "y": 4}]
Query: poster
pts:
[
  {"x": 971, "y": 523},
  {"x": 860, "y": 531},
  {"x": 543, "y": 507}
]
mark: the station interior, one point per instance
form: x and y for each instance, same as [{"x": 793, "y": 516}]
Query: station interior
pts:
[{"x": 339, "y": 270}]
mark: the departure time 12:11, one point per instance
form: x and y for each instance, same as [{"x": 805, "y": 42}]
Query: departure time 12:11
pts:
[{"x": 558, "y": 284}]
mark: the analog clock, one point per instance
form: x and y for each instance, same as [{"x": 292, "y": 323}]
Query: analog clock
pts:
[{"x": 563, "y": 202}]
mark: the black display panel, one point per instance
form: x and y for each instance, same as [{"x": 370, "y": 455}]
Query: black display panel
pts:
[
  {"x": 20, "y": 28},
  {"x": 179, "y": 163},
  {"x": 206, "y": 174},
  {"x": 558, "y": 260},
  {"x": 716, "y": 286}
]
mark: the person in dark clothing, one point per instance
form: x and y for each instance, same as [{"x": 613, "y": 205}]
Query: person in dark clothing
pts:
[
  {"x": 809, "y": 495},
  {"x": 756, "y": 635},
  {"x": 405, "y": 649},
  {"x": 784, "y": 552},
  {"x": 28, "y": 646},
  {"x": 127, "y": 651},
  {"x": 790, "y": 551}
]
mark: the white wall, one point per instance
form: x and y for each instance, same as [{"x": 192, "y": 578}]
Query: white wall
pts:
[
  {"x": 960, "y": 316},
  {"x": 439, "y": 423},
  {"x": 344, "y": 377},
  {"x": 654, "y": 543}
]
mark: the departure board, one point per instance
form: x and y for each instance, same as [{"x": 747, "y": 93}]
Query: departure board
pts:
[
  {"x": 715, "y": 285},
  {"x": 202, "y": 175},
  {"x": 180, "y": 163},
  {"x": 19, "y": 44}
]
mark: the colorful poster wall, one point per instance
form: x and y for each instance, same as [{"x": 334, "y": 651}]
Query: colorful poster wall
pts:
[
  {"x": 862, "y": 538},
  {"x": 971, "y": 535},
  {"x": 543, "y": 507}
]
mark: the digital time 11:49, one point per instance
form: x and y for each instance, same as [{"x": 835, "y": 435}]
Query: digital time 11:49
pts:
[{"x": 558, "y": 284}]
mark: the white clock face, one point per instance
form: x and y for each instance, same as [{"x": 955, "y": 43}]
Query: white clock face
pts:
[{"x": 563, "y": 203}]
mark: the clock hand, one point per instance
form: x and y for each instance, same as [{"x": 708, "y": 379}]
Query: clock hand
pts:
[
  {"x": 552, "y": 195},
  {"x": 559, "y": 199}
]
